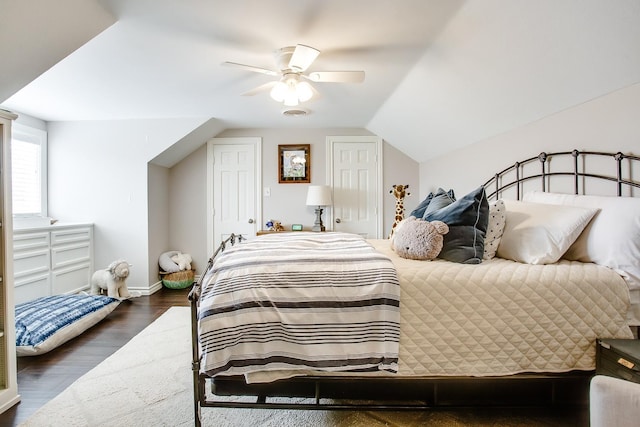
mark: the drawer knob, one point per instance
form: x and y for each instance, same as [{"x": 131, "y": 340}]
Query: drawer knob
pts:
[{"x": 626, "y": 363}]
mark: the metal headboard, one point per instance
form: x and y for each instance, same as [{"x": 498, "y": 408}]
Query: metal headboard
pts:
[{"x": 515, "y": 176}]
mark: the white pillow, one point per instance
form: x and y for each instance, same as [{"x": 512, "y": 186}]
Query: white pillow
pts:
[
  {"x": 538, "y": 233},
  {"x": 611, "y": 239},
  {"x": 167, "y": 264},
  {"x": 495, "y": 228}
]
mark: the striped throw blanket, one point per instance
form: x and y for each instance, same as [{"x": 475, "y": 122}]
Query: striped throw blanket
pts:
[{"x": 298, "y": 302}]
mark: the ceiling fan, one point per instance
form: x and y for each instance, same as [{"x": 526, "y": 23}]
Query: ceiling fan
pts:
[{"x": 293, "y": 85}]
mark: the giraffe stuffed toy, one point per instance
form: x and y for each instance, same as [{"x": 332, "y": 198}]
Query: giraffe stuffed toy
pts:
[{"x": 399, "y": 192}]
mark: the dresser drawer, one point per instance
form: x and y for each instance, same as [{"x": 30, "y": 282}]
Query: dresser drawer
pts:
[
  {"x": 26, "y": 242},
  {"x": 618, "y": 358},
  {"x": 30, "y": 262},
  {"x": 70, "y": 254},
  {"x": 60, "y": 237},
  {"x": 72, "y": 279},
  {"x": 51, "y": 260}
]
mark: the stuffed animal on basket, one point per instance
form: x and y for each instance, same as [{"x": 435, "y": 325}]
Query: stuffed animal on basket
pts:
[
  {"x": 183, "y": 261},
  {"x": 113, "y": 279},
  {"x": 418, "y": 239}
]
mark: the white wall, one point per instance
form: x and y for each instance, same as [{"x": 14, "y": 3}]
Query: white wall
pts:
[
  {"x": 500, "y": 64},
  {"x": 608, "y": 123},
  {"x": 159, "y": 217},
  {"x": 37, "y": 34},
  {"x": 287, "y": 201},
  {"x": 188, "y": 207},
  {"x": 98, "y": 173},
  {"x": 30, "y": 121}
]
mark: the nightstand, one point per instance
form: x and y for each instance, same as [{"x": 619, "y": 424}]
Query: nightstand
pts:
[
  {"x": 262, "y": 232},
  {"x": 618, "y": 358}
]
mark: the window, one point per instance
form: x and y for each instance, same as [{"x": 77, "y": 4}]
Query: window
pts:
[{"x": 28, "y": 171}]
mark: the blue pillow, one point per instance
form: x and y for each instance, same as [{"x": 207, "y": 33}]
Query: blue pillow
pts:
[
  {"x": 418, "y": 212},
  {"x": 439, "y": 201},
  {"x": 467, "y": 219}
]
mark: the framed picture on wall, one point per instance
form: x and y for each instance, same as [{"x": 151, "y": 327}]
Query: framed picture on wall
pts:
[{"x": 294, "y": 164}]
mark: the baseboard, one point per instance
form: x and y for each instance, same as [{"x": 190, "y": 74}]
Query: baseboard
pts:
[
  {"x": 143, "y": 291},
  {"x": 148, "y": 291}
]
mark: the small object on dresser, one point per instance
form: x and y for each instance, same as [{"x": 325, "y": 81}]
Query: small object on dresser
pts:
[
  {"x": 274, "y": 225},
  {"x": 296, "y": 227},
  {"x": 618, "y": 358}
]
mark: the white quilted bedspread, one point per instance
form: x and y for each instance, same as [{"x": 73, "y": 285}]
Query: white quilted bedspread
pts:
[{"x": 502, "y": 317}]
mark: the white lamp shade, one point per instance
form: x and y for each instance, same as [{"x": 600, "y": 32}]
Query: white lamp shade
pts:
[
  {"x": 319, "y": 195},
  {"x": 279, "y": 91},
  {"x": 291, "y": 91},
  {"x": 304, "y": 91}
]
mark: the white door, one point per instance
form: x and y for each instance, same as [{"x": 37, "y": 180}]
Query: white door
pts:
[
  {"x": 233, "y": 182},
  {"x": 355, "y": 171}
]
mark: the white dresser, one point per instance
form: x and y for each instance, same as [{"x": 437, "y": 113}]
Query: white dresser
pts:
[{"x": 51, "y": 260}]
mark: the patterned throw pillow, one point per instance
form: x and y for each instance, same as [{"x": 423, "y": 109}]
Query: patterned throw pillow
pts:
[{"x": 495, "y": 227}]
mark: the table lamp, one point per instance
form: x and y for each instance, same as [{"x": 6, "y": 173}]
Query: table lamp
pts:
[{"x": 318, "y": 195}]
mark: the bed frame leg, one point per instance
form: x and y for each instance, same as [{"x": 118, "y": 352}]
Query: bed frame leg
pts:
[
  {"x": 196, "y": 416},
  {"x": 198, "y": 385},
  {"x": 198, "y": 395}
]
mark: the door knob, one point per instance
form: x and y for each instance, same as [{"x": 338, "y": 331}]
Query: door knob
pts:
[
  {"x": 250, "y": 220},
  {"x": 338, "y": 220}
]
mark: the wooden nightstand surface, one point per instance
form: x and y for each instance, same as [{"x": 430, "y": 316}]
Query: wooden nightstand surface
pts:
[{"x": 261, "y": 232}]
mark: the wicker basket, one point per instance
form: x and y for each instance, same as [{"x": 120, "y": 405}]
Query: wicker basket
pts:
[{"x": 177, "y": 280}]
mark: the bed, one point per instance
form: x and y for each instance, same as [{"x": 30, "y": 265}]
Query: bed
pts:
[{"x": 331, "y": 320}]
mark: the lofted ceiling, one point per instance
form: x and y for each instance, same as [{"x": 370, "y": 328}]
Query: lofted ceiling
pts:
[{"x": 440, "y": 74}]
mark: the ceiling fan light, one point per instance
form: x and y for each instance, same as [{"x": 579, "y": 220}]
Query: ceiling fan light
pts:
[
  {"x": 279, "y": 91},
  {"x": 291, "y": 100},
  {"x": 304, "y": 91},
  {"x": 291, "y": 94}
]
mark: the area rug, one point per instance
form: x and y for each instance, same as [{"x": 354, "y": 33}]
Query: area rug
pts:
[{"x": 148, "y": 382}]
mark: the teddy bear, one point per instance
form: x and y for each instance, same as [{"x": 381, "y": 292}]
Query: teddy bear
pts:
[
  {"x": 275, "y": 225},
  {"x": 113, "y": 279},
  {"x": 418, "y": 239},
  {"x": 183, "y": 261}
]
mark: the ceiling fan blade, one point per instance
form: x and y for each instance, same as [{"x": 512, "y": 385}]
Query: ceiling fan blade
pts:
[
  {"x": 302, "y": 57},
  {"x": 262, "y": 88},
  {"x": 337, "y": 76},
  {"x": 251, "y": 68},
  {"x": 316, "y": 94}
]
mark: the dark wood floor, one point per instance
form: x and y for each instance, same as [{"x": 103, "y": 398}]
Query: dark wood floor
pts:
[{"x": 41, "y": 378}]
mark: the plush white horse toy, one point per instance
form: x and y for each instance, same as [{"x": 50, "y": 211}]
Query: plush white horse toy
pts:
[{"x": 113, "y": 279}]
